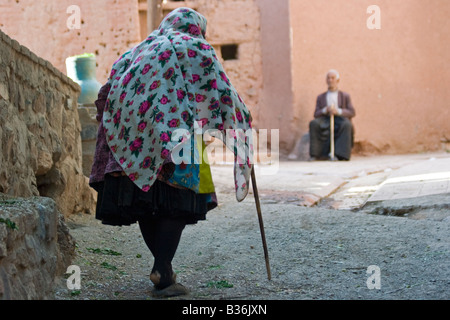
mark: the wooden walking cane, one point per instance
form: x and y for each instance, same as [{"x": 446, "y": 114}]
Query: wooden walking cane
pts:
[
  {"x": 261, "y": 224},
  {"x": 332, "y": 156}
]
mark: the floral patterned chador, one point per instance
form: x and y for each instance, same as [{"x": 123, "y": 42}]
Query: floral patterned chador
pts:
[{"x": 158, "y": 96}]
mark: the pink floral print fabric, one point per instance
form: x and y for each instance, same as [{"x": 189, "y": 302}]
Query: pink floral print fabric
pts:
[{"x": 168, "y": 82}]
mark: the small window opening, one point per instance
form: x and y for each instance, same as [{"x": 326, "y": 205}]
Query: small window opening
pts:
[{"x": 229, "y": 51}]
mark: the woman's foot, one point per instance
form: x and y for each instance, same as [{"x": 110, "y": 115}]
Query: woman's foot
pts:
[
  {"x": 155, "y": 277},
  {"x": 173, "y": 290}
]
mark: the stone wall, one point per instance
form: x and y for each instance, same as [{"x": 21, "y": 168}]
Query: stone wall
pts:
[
  {"x": 40, "y": 149},
  {"x": 35, "y": 248},
  {"x": 41, "y": 177}
]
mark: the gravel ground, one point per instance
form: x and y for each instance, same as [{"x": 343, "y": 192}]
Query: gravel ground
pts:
[{"x": 315, "y": 253}]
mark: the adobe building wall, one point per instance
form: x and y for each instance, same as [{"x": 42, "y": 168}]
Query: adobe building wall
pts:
[
  {"x": 110, "y": 27},
  {"x": 107, "y": 28},
  {"x": 276, "y": 107},
  {"x": 397, "y": 75},
  {"x": 236, "y": 23},
  {"x": 262, "y": 71}
]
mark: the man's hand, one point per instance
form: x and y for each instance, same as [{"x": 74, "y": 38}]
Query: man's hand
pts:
[{"x": 334, "y": 110}]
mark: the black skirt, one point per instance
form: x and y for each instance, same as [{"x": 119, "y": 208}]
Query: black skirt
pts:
[{"x": 120, "y": 202}]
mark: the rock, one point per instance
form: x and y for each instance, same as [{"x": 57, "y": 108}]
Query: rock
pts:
[{"x": 36, "y": 251}]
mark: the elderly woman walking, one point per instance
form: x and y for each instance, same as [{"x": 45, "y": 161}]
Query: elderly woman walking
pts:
[{"x": 159, "y": 94}]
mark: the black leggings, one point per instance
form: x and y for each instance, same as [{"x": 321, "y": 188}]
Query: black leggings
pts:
[{"x": 162, "y": 237}]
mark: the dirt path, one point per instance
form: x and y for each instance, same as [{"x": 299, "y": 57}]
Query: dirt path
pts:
[{"x": 315, "y": 253}]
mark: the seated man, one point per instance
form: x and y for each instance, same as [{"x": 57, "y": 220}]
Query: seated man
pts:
[{"x": 337, "y": 103}]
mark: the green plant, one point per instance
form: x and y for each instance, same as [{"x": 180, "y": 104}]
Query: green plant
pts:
[
  {"x": 215, "y": 267},
  {"x": 105, "y": 251},
  {"x": 219, "y": 284},
  {"x": 9, "y": 223},
  {"x": 106, "y": 265}
]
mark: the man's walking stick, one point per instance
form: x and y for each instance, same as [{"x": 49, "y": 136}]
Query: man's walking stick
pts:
[
  {"x": 332, "y": 157},
  {"x": 261, "y": 224}
]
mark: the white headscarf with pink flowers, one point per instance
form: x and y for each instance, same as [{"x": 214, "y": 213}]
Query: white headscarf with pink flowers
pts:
[{"x": 166, "y": 83}]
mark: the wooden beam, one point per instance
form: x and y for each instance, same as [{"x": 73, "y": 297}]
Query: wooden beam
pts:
[{"x": 154, "y": 14}]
